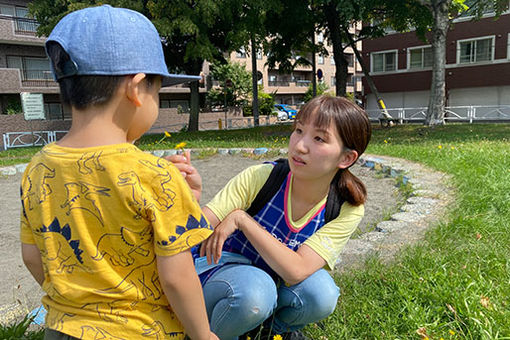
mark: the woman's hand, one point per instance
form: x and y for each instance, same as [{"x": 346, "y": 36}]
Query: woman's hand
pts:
[
  {"x": 213, "y": 246},
  {"x": 188, "y": 171}
]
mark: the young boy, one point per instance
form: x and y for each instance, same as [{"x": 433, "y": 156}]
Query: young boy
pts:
[{"x": 106, "y": 229}]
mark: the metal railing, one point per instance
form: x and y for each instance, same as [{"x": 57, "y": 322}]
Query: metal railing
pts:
[
  {"x": 25, "y": 26},
  {"x": 452, "y": 113},
  {"x": 279, "y": 83},
  {"x": 37, "y": 78},
  {"x": 35, "y": 138}
]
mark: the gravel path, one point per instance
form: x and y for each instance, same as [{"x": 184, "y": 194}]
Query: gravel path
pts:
[{"x": 19, "y": 293}]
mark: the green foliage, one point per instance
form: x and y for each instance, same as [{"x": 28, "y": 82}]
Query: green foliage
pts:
[
  {"x": 322, "y": 87},
  {"x": 13, "y": 107},
  {"x": 238, "y": 93},
  {"x": 19, "y": 331},
  {"x": 266, "y": 104}
]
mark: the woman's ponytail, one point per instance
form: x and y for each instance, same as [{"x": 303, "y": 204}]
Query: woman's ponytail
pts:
[{"x": 351, "y": 188}]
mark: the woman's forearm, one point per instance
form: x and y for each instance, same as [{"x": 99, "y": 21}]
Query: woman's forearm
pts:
[{"x": 292, "y": 266}]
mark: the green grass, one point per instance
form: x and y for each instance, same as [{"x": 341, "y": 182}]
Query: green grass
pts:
[
  {"x": 20, "y": 331},
  {"x": 455, "y": 284}
]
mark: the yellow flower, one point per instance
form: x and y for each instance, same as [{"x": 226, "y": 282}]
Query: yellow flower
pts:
[
  {"x": 277, "y": 337},
  {"x": 453, "y": 148},
  {"x": 180, "y": 145},
  {"x": 167, "y": 134},
  {"x": 439, "y": 146},
  {"x": 385, "y": 141},
  {"x": 248, "y": 337},
  {"x": 451, "y": 332},
  {"x": 441, "y": 338}
]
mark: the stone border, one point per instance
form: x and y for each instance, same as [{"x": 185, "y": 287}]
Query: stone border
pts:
[{"x": 432, "y": 193}]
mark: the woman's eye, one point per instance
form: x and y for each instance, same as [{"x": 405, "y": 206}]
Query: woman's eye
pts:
[
  {"x": 298, "y": 130},
  {"x": 319, "y": 139}
]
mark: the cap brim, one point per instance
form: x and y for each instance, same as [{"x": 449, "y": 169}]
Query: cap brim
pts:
[{"x": 174, "y": 79}]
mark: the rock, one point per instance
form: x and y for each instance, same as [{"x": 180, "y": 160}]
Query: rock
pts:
[
  {"x": 158, "y": 153},
  {"x": 234, "y": 151},
  {"x": 223, "y": 151},
  {"x": 260, "y": 151},
  {"x": 410, "y": 217},
  {"x": 422, "y": 200},
  {"x": 391, "y": 226},
  {"x": 20, "y": 168},
  {"x": 8, "y": 171},
  {"x": 170, "y": 152}
]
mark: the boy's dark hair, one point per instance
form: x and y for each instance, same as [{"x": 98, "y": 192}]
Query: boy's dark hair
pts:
[{"x": 83, "y": 91}]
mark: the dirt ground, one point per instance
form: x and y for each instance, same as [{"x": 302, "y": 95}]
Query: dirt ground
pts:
[{"x": 19, "y": 293}]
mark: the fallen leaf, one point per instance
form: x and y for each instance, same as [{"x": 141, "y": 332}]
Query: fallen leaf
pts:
[{"x": 485, "y": 302}]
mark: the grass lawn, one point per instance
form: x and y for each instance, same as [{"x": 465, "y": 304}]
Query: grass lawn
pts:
[{"x": 453, "y": 285}]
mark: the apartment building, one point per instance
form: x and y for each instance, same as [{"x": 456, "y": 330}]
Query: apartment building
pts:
[
  {"x": 290, "y": 88},
  {"x": 477, "y": 65},
  {"x": 24, "y": 66}
]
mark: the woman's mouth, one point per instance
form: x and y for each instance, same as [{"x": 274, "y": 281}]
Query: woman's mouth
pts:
[{"x": 298, "y": 161}]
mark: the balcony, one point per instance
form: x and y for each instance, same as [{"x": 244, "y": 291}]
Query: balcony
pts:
[
  {"x": 277, "y": 83},
  {"x": 16, "y": 81},
  {"x": 19, "y": 30}
]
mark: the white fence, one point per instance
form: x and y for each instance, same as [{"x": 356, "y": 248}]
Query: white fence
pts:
[
  {"x": 23, "y": 139},
  {"x": 453, "y": 113},
  {"x": 38, "y": 138}
]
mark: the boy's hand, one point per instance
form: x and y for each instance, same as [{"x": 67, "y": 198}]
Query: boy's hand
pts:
[{"x": 188, "y": 171}]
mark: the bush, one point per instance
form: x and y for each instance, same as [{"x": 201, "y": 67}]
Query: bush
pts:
[
  {"x": 13, "y": 107},
  {"x": 266, "y": 105}
]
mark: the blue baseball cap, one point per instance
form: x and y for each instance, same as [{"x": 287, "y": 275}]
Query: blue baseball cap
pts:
[{"x": 106, "y": 40}]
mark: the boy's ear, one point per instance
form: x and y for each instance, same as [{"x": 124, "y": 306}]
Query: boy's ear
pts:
[
  {"x": 347, "y": 159},
  {"x": 133, "y": 86}
]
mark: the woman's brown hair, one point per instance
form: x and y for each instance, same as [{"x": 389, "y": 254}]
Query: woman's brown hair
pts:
[{"x": 355, "y": 131}]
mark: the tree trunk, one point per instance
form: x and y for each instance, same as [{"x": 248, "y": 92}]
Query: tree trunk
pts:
[
  {"x": 194, "y": 67},
  {"x": 314, "y": 68},
  {"x": 254, "y": 81},
  {"x": 341, "y": 64},
  {"x": 194, "y": 106},
  {"x": 366, "y": 72},
  {"x": 436, "y": 109}
]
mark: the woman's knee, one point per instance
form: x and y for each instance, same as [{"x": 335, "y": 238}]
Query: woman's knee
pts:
[
  {"x": 318, "y": 294},
  {"x": 245, "y": 293}
]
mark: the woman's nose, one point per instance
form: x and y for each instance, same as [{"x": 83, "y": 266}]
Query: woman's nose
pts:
[{"x": 301, "y": 145}]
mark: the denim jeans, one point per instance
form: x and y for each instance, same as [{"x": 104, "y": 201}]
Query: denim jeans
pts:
[{"x": 239, "y": 297}]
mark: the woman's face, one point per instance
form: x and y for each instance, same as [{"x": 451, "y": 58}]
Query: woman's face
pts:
[{"x": 315, "y": 153}]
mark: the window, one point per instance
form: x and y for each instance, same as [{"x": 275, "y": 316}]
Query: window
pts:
[
  {"x": 332, "y": 60},
  {"x": 320, "y": 59},
  {"x": 350, "y": 80},
  {"x": 320, "y": 37},
  {"x": 476, "y": 50},
  {"x": 384, "y": 61},
  {"x": 259, "y": 54},
  {"x": 7, "y": 10},
  {"x": 333, "y": 81},
  {"x": 420, "y": 57},
  {"x": 241, "y": 53},
  {"x": 32, "y": 68},
  {"x": 350, "y": 59}
]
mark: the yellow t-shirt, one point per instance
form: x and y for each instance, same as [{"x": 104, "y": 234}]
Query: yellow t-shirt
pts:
[
  {"x": 327, "y": 242},
  {"x": 100, "y": 216}
]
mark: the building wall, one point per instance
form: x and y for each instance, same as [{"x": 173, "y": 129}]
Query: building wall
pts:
[{"x": 469, "y": 84}]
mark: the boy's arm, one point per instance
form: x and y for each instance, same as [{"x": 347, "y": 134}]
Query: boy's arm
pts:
[
  {"x": 33, "y": 261},
  {"x": 184, "y": 292}
]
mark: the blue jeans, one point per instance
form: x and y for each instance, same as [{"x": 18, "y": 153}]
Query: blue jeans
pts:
[{"x": 239, "y": 297}]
